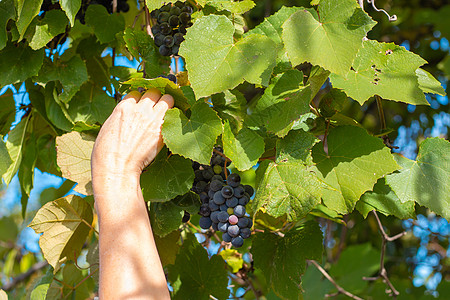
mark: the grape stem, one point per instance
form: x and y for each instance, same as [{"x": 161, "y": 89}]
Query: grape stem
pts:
[{"x": 221, "y": 154}]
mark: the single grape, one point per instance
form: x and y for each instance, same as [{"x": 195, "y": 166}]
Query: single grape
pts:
[
  {"x": 217, "y": 159},
  {"x": 249, "y": 190},
  {"x": 165, "y": 51},
  {"x": 166, "y": 8},
  {"x": 223, "y": 216},
  {"x": 250, "y": 223},
  {"x": 223, "y": 226},
  {"x": 243, "y": 222},
  {"x": 186, "y": 217},
  {"x": 223, "y": 207},
  {"x": 208, "y": 173},
  {"x": 233, "y": 220},
  {"x": 237, "y": 242},
  {"x": 168, "y": 41},
  {"x": 173, "y": 78},
  {"x": 218, "y": 198},
  {"x": 215, "y": 226},
  {"x": 175, "y": 11},
  {"x": 217, "y": 177},
  {"x": 165, "y": 28},
  {"x": 213, "y": 206},
  {"x": 159, "y": 39},
  {"x": 233, "y": 230},
  {"x": 226, "y": 237},
  {"x": 188, "y": 9},
  {"x": 173, "y": 21},
  {"x": 163, "y": 17},
  {"x": 200, "y": 186},
  {"x": 211, "y": 193},
  {"x": 154, "y": 14},
  {"x": 213, "y": 216},
  {"x": 205, "y": 222},
  {"x": 217, "y": 169},
  {"x": 198, "y": 175},
  {"x": 180, "y": 4},
  {"x": 205, "y": 211},
  {"x": 185, "y": 18},
  {"x": 175, "y": 49},
  {"x": 182, "y": 29},
  {"x": 155, "y": 30},
  {"x": 232, "y": 202},
  {"x": 227, "y": 191},
  {"x": 234, "y": 180},
  {"x": 239, "y": 211},
  {"x": 216, "y": 185},
  {"x": 246, "y": 233},
  {"x": 230, "y": 210},
  {"x": 243, "y": 200},
  {"x": 238, "y": 191}
]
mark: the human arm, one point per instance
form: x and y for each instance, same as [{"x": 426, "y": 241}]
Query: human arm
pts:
[{"x": 129, "y": 140}]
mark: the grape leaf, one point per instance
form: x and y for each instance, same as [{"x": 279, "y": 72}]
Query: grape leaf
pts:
[
  {"x": 288, "y": 187},
  {"x": 168, "y": 247},
  {"x": 63, "y": 223},
  {"x": 74, "y": 158},
  {"x": 355, "y": 161},
  {"x": 7, "y": 12},
  {"x": 271, "y": 27},
  {"x": 235, "y": 7},
  {"x": 105, "y": 25},
  {"x": 41, "y": 286},
  {"x": 71, "y": 7},
  {"x": 53, "y": 23},
  {"x": 428, "y": 84},
  {"x": 5, "y": 160},
  {"x": 233, "y": 259},
  {"x": 7, "y": 111},
  {"x": 72, "y": 74},
  {"x": 228, "y": 63},
  {"x": 427, "y": 179},
  {"x": 141, "y": 46},
  {"x": 296, "y": 146},
  {"x": 379, "y": 69},
  {"x": 19, "y": 63},
  {"x": 73, "y": 276},
  {"x": 244, "y": 149},
  {"x": 385, "y": 201},
  {"x": 164, "y": 85},
  {"x": 195, "y": 137},
  {"x": 283, "y": 259},
  {"x": 15, "y": 143},
  {"x": 314, "y": 285},
  {"x": 26, "y": 11},
  {"x": 330, "y": 37},
  {"x": 166, "y": 178},
  {"x": 200, "y": 277},
  {"x": 155, "y": 4},
  {"x": 231, "y": 106}
]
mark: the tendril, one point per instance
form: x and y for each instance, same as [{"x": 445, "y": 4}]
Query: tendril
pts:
[{"x": 391, "y": 18}]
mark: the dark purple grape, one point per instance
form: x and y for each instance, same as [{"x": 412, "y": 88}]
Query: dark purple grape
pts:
[
  {"x": 234, "y": 180},
  {"x": 166, "y": 8},
  {"x": 180, "y": 4},
  {"x": 154, "y": 14},
  {"x": 211, "y": 194},
  {"x": 165, "y": 51},
  {"x": 205, "y": 211},
  {"x": 198, "y": 173},
  {"x": 173, "y": 78},
  {"x": 208, "y": 173},
  {"x": 182, "y": 29},
  {"x": 214, "y": 216},
  {"x": 232, "y": 202},
  {"x": 243, "y": 222},
  {"x": 218, "y": 198},
  {"x": 168, "y": 41},
  {"x": 249, "y": 190},
  {"x": 165, "y": 28},
  {"x": 186, "y": 217},
  {"x": 188, "y": 9},
  {"x": 159, "y": 38},
  {"x": 239, "y": 211},
  {"x": 201, "y": 185},
  {"x": 223, "y": 226},
  {"x": 226, "y": 237},
  {"x": 216, "y": 185},
  {"x": 175, "y": 49},
  {"x": 223, "y": 216},
  {"x": 204, "y": 197},
  {"x": 233, "y": 230},
  {"x": 223, "y": 207},
  {"x": 215, "y": 226},
  {"x": 213, "y": 206},
  {"x": 185, "y": 18},
  {"x": 205, "y": 222},
  {"x": 250, "y": 223},
  {"x": 173, "y": 21},
  {"x": 246, "y": 233},
  {"x": 237, "y": 242},
  {"x": 163, "y": 17},
  {"x": 238, "y": 191},
  {"x": 244, "y": 200},
  {"x": 217, "y": 177},
  {"x": 175, "y": 11},
  {"x": 227, "y": 191},
  {"x": 155, "y": 30}
]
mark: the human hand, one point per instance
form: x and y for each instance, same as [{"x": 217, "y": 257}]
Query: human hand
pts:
[{"x": 131, "y": 137}]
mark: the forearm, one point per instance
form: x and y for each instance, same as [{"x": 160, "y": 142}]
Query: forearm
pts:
[{"x": 126, "y": 242}]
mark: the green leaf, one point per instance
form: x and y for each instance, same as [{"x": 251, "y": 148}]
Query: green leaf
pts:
[
  {"x": 168, "y": 247},
  {"x": 332, "y": 103},
  {"x": 52, "y": 193},
  {"x": 72, "y": 74},
  {"x": 283, "y": 259},
  {"x": 26, "y": 11},
  {"x": 141, "y": 46},
  {"x": 71, "y": 7},
  {"x": 379, "y": 69},
  {"x": 314, "y": 285},
  {"x": 63, "y": 223},
  {"x": 200, "y": 277},
  {"x": 289, "y": 187},
  {"x": 355, "y": 262},
  {"x": 235, "y": 7},
  {"x": 7, "y": 111},
  {"x": 229, "y": 63},
  {"x": 7, "y": 12},
  {"x": 195, "y": 137},
  {"x": 19, "y": 63},
  {"x": 271, "y": 27},
  {"x": 330, "y": 37},
  {"x": 385, "y": 201},
  {"x": 166, "y": 178},
  {"x": 155, "y": 4},
  {"x": 296, "y": 146},
  {"x": 53, "y": 23},
  {"x": 41, "y": 287},
  {"x": 317, "y": 78},
  {"x": 164, "y": 85},
  {"x": 5, "y": 160},
  {"x": 74, "y": 158},
  {"x": 105, "y": 25},
  {"x": 53, "y": 110},
  {"x": 8, "y": 229},
  {"x": 73, "y": 276},
  {"x": 231, "y": 106},
  {"x": 427, "y": 179},
  {"x": 355, "y": 161},
  {"x": 244, "y": 149},
  {"x": 233, "y": 259},
  {"x": 14, "y": 144},
  {"x": 26, "y": 170},
  {"x": 428, "y": 84}
]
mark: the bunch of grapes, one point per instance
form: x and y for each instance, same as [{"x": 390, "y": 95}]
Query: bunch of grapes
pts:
[
  {"x": 122, "y": 5},
  {"x": 170, "y": 27},
  {"x": 223, "y": 200}
]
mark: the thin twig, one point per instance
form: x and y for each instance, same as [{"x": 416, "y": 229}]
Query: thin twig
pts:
[
  {"x": 16, "y": 280},
  {"x": 340, "y": 289},
  {"x": 148, "y": 25},
  {"x": 221, "y": 154}
]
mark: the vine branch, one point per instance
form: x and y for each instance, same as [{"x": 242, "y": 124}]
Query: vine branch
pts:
[{"x": 340, "y": 289}]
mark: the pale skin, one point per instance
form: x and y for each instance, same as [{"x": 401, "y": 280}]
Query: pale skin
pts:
[{"x": 128, "y": 141}]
